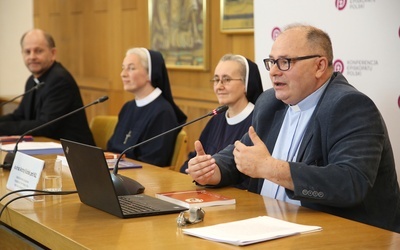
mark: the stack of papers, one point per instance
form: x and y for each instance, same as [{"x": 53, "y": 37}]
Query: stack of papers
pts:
[
  {"x": 250, "y": 231},
  {"x": 14, "y": 138},
  {"x": 35, "y": 148}
]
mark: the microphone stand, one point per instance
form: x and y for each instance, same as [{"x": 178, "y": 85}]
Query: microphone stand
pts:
[
  {"x": 40, "y": 84},
  {"x": 211, "y": 113},
  {"x": 9, "y": 158}
]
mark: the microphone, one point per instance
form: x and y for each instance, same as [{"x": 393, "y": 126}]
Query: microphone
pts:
[
  {"x": 9, "y": 158},
  {"x": 37, "y": 86},
  {"x": 126, "y": 186}
]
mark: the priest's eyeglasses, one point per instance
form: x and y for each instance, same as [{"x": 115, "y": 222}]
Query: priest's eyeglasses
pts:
[
  {"x": 284, "y": 63},
  {"x": 224, "y": 80}
]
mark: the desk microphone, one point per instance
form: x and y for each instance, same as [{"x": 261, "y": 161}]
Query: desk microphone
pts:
[
  {"x": 37, "y": 86},
  {"x": 126, "y": 186},
  {"x": 9, "y": 158}
]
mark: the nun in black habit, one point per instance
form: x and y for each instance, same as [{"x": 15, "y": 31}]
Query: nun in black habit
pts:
[
  {"x": 152, "y": 112},
  {"x": 237, "y": 84}
]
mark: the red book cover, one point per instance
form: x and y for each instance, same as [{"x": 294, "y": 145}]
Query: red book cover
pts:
[
  {"x": 195, "y": 198},
  {"x": 111, "y": 155},
  {"x": 14, "y": 138}
]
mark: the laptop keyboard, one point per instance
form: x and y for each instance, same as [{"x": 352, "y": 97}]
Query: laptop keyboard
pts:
[{"x": 132, "y": 206}]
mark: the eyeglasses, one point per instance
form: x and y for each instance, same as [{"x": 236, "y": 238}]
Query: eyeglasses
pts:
[
  {"x": 284, "y": 63},
  {"x": 224, "y": 80}
]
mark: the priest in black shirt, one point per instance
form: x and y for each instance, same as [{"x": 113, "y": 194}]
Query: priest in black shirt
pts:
[{"x": 58, "y": 95}]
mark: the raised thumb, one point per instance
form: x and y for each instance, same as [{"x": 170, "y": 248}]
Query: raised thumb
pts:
[{"x": 199, "y": 148}]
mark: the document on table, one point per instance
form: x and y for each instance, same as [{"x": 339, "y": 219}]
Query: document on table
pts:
[
  {"x": 35, "y": 148},
  {"x": 250, "y": 231}
]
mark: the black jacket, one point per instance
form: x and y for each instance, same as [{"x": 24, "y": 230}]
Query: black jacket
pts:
[{"x": 58, "y": 96}]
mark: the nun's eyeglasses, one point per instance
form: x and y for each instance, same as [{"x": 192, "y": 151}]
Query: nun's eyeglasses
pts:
[
  {"x": 224, "y": 80},
  {"x": 284, "y": 63}
]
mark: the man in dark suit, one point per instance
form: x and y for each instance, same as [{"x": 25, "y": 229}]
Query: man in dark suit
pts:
[
  {"x": 330, "y": 146},
  {"x": 58, "y": 96}
]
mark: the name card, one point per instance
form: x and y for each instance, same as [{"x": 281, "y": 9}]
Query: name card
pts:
[{"x": 25, "y": 172}]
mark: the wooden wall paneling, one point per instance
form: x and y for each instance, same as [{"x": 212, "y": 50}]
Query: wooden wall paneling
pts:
[
  {"x": 95, "y": 43},
  {"x": 116, "y": 101},
  {"x": 96, "y": 83},
  {"x": 92, "y": 88},
  {"x": 57, "y": 19},
  {"x": 221, "y": 43},
  {"x": 91, "y": 95},
  {"x": 115, "y": 46},
  {"x": 76, "y": 6},
  {"x": 134, "y": 27},
  {"x": 195, "y": 102},
  {"x": 73, "y": 34},
  {"x": 55, "y": 7},
  {"x": 134, "y": 32},
  {"x": 195, "y": 109},
  {"x": 37, "y": 12},
  {"x": 100, "y": 5},
  {"x": 114, "y": 33},
  {"x": 244, "y": 44},
  {"x": 205, "y": 95},
  {"x": 129, "y": 4},
  {"x": 42, "y": 15}
]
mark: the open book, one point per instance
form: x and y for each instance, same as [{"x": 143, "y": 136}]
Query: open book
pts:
[{"x": 250, "y": 231}]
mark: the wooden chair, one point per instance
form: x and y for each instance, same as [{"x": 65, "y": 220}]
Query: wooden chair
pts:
[
  {"x": 102, "y": 128},
  {"x": 180, "y": 151}
]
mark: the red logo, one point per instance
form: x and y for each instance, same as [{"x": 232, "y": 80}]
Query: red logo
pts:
[
  {"x": 398, "y": 101},
  {"x": 338, "y": 66},
  {"x": 275, "y": 32},
  {"x": 340, "y": 4}
]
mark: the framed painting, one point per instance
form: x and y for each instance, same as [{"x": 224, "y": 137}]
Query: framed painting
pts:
[
  {"x": 178, "y": 30},
  {"x": 237, "y": 16}
]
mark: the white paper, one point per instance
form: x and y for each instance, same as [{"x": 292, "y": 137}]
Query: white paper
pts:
[
  {"x": 35, "y": 147},
  {"x": 30, "y": 145},
  {"x": 25, "y": 172},
  {"x": 250, "y": 231}
]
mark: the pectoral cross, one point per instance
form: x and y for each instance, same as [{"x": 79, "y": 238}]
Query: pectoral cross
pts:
[{"x": 127, "y": 136}]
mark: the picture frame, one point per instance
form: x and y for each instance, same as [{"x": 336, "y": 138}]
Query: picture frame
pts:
[
  {"x": 178, "y": 29},
  {"x": 237, "y": 16}
]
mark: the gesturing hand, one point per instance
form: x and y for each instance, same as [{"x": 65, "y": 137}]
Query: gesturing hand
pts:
[
  {"x": 251, "y": 159},
  {"x": 202, "y": 168}
]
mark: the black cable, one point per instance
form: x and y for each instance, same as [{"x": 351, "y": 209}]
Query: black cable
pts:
[{"x": 40, "y": 192}]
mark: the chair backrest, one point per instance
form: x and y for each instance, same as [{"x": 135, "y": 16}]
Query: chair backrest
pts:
[
  {"x": 102, "y": 127},
  {"x": 180, "y": 151}
]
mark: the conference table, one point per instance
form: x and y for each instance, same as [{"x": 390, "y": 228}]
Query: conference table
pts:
[{"x": 63, "y": 222}]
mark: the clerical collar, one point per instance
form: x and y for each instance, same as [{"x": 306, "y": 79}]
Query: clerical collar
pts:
[
  {"x": 310, "y": 101},
  {"x": 36, "y": 80},
  {"x": 148, "y": 99},
  {"x": 241, "y": 116}
]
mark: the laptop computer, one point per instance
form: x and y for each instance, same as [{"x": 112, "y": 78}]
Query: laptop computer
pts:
[{"x": 95, "y": 188}]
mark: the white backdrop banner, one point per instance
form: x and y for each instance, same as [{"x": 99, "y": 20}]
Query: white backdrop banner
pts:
[{"x": 366, "y": 45}]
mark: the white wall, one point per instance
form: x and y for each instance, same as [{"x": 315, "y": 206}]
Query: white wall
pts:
[
  {"x": 16, "y": 17},
  {"x": 366, "y": 42}
]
